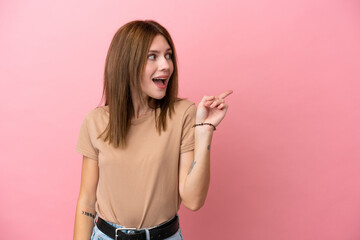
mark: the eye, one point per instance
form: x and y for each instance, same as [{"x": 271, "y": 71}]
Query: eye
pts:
[
  {"x": 151, "y": 56},
  {"x": 168, "y": 56}
]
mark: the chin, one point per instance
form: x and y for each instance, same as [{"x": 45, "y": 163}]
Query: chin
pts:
[{"x": 158, "y": 97}]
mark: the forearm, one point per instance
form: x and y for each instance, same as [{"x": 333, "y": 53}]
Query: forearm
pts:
[
  {"x": 84, "y": 220},
  {"x": 198, "y": 178}
]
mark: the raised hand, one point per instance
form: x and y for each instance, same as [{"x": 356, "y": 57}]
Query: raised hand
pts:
[{"x": 212, "y": 109}]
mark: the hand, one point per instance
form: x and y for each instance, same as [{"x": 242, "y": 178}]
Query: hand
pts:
[{"x": 212, "y": 109}]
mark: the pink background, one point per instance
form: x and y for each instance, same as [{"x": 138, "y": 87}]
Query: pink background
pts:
[{"x": 285, "y": 161}]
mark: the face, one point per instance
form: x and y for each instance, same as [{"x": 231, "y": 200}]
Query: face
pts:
[{"x": 158, "y": 69}]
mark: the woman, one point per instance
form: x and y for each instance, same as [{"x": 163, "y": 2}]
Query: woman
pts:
[{"x": 145, "y": 151}]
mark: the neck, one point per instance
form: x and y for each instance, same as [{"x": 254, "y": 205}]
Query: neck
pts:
[{"x": 140, "y": 107}]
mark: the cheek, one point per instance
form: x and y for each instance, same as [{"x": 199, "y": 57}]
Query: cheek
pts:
[{"x": 148, "y": 71}]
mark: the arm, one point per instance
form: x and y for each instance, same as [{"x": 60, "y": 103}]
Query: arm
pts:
[
  {"x": 194, "y": 169},
  {"x": 85, "y": 208},
  {"x": 194, "y": 173}
]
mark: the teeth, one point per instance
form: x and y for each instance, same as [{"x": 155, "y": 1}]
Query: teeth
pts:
[{"x": 160, "y": 79}]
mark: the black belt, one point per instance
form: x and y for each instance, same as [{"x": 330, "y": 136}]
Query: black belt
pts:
[{"x": 160, "y": 232}]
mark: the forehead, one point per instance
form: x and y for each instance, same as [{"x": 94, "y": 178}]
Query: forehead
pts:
[{"x": 159, "y": 43}]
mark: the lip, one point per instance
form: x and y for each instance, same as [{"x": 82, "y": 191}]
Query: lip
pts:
[
  {"x": 162, "y": 76},
  {"x": 166, "y": 77}
]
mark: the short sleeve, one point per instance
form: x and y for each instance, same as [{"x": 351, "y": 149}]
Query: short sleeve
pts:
[
  {"x": 84, "y": 145},
  {"x": 187, "y": 135}
]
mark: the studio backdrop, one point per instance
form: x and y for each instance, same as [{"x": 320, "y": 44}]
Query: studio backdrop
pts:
[{"x": 284, "y": 162}]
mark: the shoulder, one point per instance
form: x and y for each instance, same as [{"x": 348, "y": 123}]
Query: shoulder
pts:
[
  {"x": 98, "y": 111},
  {"x": 184, "y": 109},
  {"x": 184, "y": 105},
  {"x": 98, "y": 114}
]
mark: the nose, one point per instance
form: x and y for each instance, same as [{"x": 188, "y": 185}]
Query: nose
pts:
[{"x": 164, "y": 64}]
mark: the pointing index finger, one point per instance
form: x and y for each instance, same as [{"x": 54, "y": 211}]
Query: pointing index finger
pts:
[{"x": 225, "y": 94}]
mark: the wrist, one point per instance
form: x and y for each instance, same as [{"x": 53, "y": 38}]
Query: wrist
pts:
[
  {"x": 204, "y": 128},
  {"x": 203, "y": 136},
  {"x": 204, "y": 132},
  {"x": 205, "y": 125}
]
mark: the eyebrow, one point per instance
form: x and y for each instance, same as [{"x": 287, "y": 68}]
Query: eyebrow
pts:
[{"x": 156, "y": 51}]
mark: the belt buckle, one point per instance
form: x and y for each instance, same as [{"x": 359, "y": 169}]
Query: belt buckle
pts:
[{"x": 123, "y": 229}]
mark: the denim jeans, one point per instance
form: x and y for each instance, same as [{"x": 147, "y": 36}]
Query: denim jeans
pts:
[{"x": 98, "y": 235}]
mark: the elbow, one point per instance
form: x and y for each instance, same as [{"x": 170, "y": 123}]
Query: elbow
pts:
[
  {"x": 193, "y": 201},
  {"x": 194, "y": 205},
  {"x": 194, "y": 208}
]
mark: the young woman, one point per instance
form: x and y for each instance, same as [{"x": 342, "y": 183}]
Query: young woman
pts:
[{"x": 145, "y": 151}]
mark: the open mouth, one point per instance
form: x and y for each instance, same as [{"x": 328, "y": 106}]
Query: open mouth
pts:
[{"x": 160, "y": 82}]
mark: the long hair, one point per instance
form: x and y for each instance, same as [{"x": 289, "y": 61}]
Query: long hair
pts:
[{"x": 124, "y": 66}]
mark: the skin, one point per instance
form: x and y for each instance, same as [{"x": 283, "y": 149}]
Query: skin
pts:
[
  {"x": 194, "y": 168},
  {"x": 86, "y": 200},
  {"x": 158, "y": 63}
]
